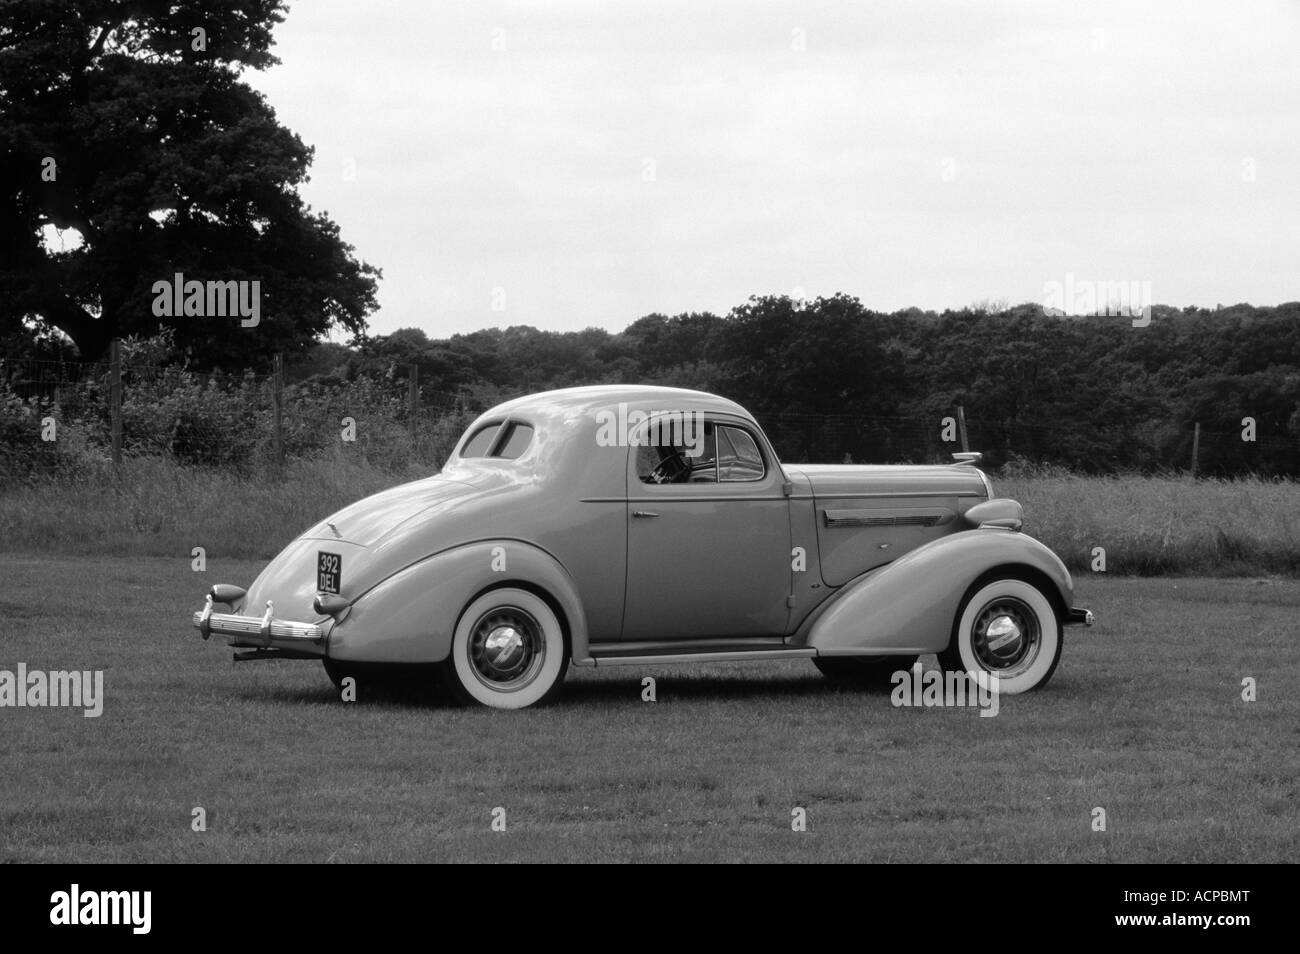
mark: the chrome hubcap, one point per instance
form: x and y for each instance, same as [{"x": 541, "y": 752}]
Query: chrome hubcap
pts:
[
  {"x": 1006, "y": 637},
  {"x": 506, "y": 649}
]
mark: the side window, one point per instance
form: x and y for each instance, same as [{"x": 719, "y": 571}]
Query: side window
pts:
[
  {"x": 726, "y": 454},
  {"x": 704, "y": 466},
  {"x": 738, "y": 456},
  {"x": 675, "y": 463},
  {"x": 648, "y": 460}
]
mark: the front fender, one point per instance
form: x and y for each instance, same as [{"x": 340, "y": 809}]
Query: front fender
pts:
[
  {"x": 908, "y": 606},
  {"x": 411, "y": 616}
]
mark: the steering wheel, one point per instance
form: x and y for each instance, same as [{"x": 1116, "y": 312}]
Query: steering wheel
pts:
[{"x": 668, "y": 470}]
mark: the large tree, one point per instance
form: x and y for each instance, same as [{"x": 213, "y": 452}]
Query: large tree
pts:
[{"x": 130, "y": 150}]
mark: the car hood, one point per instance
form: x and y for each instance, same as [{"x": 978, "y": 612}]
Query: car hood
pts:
[
  {"x": 902, "y": 480},
  {"x": 870, "y": 515}
]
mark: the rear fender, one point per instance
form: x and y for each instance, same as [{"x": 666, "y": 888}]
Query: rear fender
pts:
[
  {"x": 909, "y": 606},
  {"x": 411, "y": 616}
]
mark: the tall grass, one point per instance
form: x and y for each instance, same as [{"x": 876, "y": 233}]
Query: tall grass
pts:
[
  {"x": 1149, "y": 526},
  {"x": 155, "y": 507}
]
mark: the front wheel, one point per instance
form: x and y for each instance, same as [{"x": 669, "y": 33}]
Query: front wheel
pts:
[
  {"x": 507, "y": 652},
  {"x": 1006, "y": 628}
]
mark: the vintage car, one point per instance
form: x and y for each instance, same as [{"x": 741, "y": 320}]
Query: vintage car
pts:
[{"x": 629, "y": 525}]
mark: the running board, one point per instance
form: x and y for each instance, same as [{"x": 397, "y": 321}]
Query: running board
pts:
[{"x": 655, "y": 659}]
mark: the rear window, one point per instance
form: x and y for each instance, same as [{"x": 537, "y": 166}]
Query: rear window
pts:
[
  {"x": 516, "y": 441},
  {"x": 481, "y": 442},
  {"x": 505, "y": 441}
]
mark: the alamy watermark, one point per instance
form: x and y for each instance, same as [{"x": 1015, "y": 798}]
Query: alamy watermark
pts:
[
  {"x": 623, "y": 428},
  {"x": 1081, "y": 297},
  {"x": 195, "y": 299},
  {"x": 57, "y": 688},
  {"x": 932, "y": 688},
  {"x": 77, "y": 907}
]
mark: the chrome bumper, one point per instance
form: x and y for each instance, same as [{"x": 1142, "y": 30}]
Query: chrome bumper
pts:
[
  {"x": 264, "y": 632},
  {"x": 1080, "y": 615}
]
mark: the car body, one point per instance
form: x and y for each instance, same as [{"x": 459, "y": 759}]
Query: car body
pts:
[{"x": 637, "y": 525}]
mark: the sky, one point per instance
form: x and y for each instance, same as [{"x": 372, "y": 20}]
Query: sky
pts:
[{"x": 568, "y": 164}]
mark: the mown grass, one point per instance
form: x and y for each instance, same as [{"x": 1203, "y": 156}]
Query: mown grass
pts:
[
  {"x": 1146, "y": 525},
  {"x": 1144, "y": 718}
]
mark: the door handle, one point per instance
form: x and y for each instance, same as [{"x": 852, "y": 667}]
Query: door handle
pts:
[{"x": 644, "y": 513}]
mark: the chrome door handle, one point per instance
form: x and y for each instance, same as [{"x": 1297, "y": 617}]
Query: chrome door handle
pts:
[{"x": 644, "y": 513}]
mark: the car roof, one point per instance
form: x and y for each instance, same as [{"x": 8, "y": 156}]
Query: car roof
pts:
[{"x": 564, "y": 402}]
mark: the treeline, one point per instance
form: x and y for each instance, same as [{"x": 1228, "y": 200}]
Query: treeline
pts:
[
  {"x": 833, "y": 380},
  {"x": 1094, "y": 394}
]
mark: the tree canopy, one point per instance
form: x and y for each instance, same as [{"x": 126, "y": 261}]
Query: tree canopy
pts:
[
  {"x": 1094, "y": 393},
  {"x": 130, "y": 150}
]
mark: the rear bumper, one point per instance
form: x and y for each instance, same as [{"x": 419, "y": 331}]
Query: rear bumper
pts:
[
  {"x": 1079, "y": 616},
  {"x": 301, "y": 640}
]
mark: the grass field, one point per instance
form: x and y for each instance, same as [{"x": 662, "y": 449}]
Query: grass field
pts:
[
  {"x": 1147, "y": 525},
  {"x": 1144, "y": 718}
]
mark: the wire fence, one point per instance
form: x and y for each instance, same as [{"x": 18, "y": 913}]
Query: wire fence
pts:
[{"x": 70, "y": 420}]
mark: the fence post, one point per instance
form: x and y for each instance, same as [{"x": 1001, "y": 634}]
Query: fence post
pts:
[
  {"x": 277, "y": 407},
  {"x": 115, "y": 397},
  {"x": 413, "y": 402},
  {"x": 1196, "y": 446},
  {"x": 961, "y": 428}
]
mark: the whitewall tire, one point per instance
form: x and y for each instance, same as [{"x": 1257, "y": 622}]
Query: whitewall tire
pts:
[
  {"x": 1007, "y": 628},
  {"x": 507, "y": 652}
]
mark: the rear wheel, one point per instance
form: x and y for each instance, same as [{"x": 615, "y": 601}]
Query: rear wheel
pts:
[
  {"x": 508, "y": 651},
  {"x": 1006, "y": 628},
  {"x": 862, "y": 670}
]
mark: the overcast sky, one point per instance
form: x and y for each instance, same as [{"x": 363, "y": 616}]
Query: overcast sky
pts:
[{"x": 588, "y": 163}]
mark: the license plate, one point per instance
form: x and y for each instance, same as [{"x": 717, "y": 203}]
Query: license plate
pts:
[{"x": 329, "y": 572}]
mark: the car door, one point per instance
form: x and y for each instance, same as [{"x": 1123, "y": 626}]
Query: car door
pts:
[{"x": 708, "y": 538}]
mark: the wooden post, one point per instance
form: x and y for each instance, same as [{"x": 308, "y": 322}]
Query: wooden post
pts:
[
  {"x": 277, "y": 407},
  {"x": 413, "y": 402},
  {"x": 1196, "y": 446},
  {"x": 961, "y": 427},
  {"x": 115, "y": 397}
]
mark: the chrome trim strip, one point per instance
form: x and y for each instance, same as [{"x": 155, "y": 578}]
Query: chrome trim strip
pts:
[
  {"x": 673, "y": 647},
  {"x": 901, "y": 495},
  {"x": 742, "y": 656},
  {"x": 876, "y": 518},
  {"x": 874, "y": 651},
  {"x": 697, "y": 497}
]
